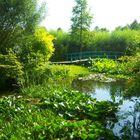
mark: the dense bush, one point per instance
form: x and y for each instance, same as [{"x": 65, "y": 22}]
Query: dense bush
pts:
[
  {"x": 134, "y": 83},
  {"x": 11, "y": 71},
  {"x": 18, "y": 20},
  {"x": 61, "y": 44},
  {"x": 100, "y": 41},
  {"x": 19, "y": 31},
  {"x": 125, "y": 40},
  {"x": 109, "y": 66},
  {"x": 28, "y": 62},
  {"x": 39, "y": 50},
  {"x": 77, "y": 45},
  {"x": 35, "y": 57}
]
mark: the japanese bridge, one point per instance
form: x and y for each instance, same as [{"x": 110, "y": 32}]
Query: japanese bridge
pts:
[
  {"x": 81, "y": 57},
  {"x": 93, "y": 54}
]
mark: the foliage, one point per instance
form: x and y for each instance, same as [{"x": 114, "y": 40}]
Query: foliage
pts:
[
  {"x": 66, "y": 71},
  {"x": 81, "y": 18},
  {"x": 53, "y": 73},
  {"x": 39, "y": 50},
  {"x": 101, "y": 41},
  {"x": 134, "y": 83},
  {"x": 61, "y": 44},
  {"x": 36, "y": 56},
  {"x": 17, "y": 20},
  {"x": 43, "y": 43},
  {"x": 133, "y": 86},
  {"x": 126, "y": 40},
  {"x": 31, "y": 46},
  {"x": 60, "y": 114},
  {"x": 126, "y": 65},
  {"x": 81, "y": 21},
  {"x": 110, "y": 66},
  {"x": 133, "y": 26},
  {"x": 87, "y": 41},
  {"x": 119, "y": 40},
  {"x": 97, "y": 29},
  {"x": 11, "y": 70}
]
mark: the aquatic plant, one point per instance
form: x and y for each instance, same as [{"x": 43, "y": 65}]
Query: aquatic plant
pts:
[{"x": 59, "y": 114}]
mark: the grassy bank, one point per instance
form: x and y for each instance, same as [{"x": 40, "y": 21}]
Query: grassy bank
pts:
[{"x": 54, "y": 74}]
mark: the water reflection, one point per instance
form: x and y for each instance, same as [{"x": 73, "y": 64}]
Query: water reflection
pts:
[
  {"x": 129, "y": 119},
  {"x": 128, "y": 125}
]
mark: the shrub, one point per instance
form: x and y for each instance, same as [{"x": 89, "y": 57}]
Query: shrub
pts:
[
  {"x": 108, "y": 66},
  {"x": 11, "y": 71}
]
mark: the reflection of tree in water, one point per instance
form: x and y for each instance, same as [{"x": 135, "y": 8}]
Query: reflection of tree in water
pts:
[
  {"x": 83, "y": 86},
  {"x": 130, "y": 119},
  {"x": 116, "y": 90},
  {"x": 131, "y": 127},
  {"x": 89, "y": 86}
]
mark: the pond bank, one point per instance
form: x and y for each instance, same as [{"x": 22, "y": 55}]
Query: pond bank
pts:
[
  {"x": 102, "y": 77},
  {"x": 97, "y": 77}
]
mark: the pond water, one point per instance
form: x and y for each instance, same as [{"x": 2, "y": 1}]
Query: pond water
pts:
[{"x": 128, "y": 114}]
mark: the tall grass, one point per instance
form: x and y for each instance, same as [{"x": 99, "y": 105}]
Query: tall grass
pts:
[{"x": 51, "y": 73}]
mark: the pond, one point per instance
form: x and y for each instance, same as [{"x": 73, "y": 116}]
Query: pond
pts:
[{"x": 128, "y": 114}]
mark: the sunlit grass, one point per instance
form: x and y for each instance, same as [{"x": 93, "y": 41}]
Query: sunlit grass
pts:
[{"x": 70, "y": 70}]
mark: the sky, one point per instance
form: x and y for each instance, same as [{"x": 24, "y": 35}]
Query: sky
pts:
[{"x": 106, "y": 13}]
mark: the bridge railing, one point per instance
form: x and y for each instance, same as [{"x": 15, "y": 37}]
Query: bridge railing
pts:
[{"x": 93, "y": 54}]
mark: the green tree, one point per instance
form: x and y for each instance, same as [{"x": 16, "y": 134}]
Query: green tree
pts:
[
  {"x": 35, "y": 56},
  {"x": 126, "y": 40},
  {"x": 39, "y": 50},
  {"x": 135, "y": 25},
  {"x": 61, "y": 44},
  {"x": 81, "y": 21},
  {"x": 101, "y": 40},
  {"x": 97, "y": 29},
  {"x": 11, "y": 71},
  {"x": 17, "y": 19},
  {"x": 30, "y": 45}
]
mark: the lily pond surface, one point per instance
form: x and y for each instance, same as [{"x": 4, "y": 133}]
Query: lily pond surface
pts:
[{"x": 128, "y": 114}]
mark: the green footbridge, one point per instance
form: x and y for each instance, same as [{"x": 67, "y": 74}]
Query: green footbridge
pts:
[{"x": 93, "y": 54}]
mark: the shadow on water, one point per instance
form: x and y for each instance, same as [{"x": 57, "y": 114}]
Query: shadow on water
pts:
[
  {"x": 128, "y": 125},
  {"x": 6, "y": 93}
]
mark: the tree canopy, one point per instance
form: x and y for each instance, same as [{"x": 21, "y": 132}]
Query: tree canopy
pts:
[
  {"x": 17, "y": 18},
  {"x": 21, "y": 40},
  {"x": 81, "y": 21}
]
